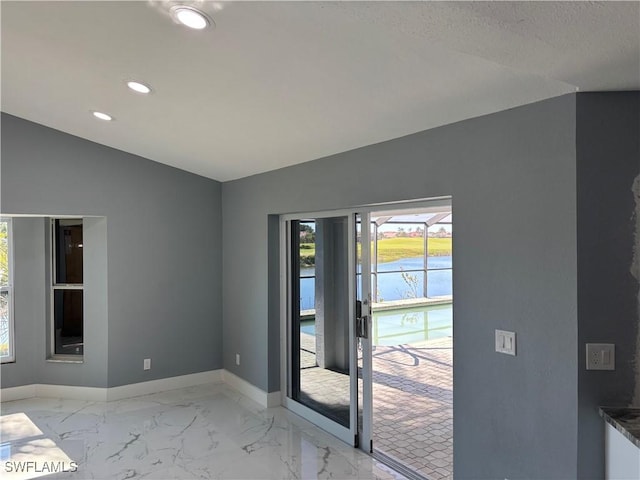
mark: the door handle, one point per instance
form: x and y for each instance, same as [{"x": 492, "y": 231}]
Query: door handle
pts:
[
  {"x": 362, "y": 327},
  {"x": 362, "y": 321}
]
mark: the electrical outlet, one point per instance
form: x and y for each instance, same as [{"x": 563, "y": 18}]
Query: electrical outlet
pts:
[
  {"x": 237, "y": 359},
  {"x": 147, "y": 364},
  {"x": 601, "y": 356},
  {"x": 506, "y": 342}
]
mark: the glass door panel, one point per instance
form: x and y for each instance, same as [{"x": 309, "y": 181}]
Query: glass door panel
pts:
[
  {"x": 411, "y": 341},
  {"x": 322, "y": 302}
]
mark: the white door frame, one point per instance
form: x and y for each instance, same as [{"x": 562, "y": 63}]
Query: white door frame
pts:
[
  {"x": 366, "y": 429},
  {"x": 348, "y": 435}
]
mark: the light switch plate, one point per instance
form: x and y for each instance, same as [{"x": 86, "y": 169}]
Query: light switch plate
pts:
[
  {"x": 601, "y": 356},
  {"x": 506, "y": 342}
]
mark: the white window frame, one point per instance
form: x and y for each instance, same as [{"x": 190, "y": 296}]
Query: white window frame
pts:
[
  {"x": 72, "y": 358},
  {"x": 9, "y": 288}
]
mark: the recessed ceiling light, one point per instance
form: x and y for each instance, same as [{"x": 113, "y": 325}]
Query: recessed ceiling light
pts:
[
  {"x": 102, "y": 116},
  {"x": 139, "y": 87},
  {"x": 190, "y": 17}
]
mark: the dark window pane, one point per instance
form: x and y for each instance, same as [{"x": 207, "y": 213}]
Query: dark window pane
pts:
[
  {"x": 320, "y": 343},
  {"x": 68, "y": 236},
  {"x": 68, "y": 331}
]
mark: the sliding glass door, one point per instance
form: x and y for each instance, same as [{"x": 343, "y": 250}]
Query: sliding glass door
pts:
[
  {"x": 322, "y": 366},
  {"x": 369, "y": 296}
]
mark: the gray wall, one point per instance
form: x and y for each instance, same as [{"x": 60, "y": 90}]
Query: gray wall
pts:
[
  {"x": 31, "y": 290},
  {"x": 608, "y": 160},
  {"x": 512, "y": 178},
  {"x": 31, "y": 297},
  {"x": 163, "y": 256}
]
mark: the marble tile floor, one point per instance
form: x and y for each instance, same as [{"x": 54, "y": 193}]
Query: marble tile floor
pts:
[{"x": 204, "y": 432}]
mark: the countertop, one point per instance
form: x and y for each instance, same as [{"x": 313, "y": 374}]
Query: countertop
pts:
[{"x": 625, "y": 420}]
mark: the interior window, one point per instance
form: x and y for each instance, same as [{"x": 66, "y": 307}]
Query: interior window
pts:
[{"x": 67, "y": 287}]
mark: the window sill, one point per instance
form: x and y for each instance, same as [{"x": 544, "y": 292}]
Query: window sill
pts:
[{"x": 65, "y": 360}]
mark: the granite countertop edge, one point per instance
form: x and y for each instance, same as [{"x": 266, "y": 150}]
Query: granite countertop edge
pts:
[{"x": 624, "y": 419}]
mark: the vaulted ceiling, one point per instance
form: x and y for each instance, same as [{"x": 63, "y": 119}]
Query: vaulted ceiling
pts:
[{"x": 280, "y": 83}]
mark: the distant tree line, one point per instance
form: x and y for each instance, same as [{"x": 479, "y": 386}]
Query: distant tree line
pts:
[
  {"x": 307, "y": 242},
  {"x": 307, "y": 234}
]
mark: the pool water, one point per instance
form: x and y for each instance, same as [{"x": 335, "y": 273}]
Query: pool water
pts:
[{"x": 406, "y": 325}]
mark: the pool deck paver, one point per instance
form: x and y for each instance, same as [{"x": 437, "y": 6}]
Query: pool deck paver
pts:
[
  {"x": 413, "y": 405},
  {"x": 413, "y": 401}
]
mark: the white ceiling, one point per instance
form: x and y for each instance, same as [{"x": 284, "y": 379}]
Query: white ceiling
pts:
[{"x": 280, "y": 83}]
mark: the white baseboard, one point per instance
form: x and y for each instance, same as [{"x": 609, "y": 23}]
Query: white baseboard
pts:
[
  {"x": 251, "y": 391},
  {"x": 274, "y": 399},
  {"x": 163, "y": 384},
  {"x": 17, "y": 393},
  {"x": 90, "y": 394},
  {"x": 97, "y": 394}
]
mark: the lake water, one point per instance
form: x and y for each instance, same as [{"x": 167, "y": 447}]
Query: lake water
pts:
[{"x": 392, "y": 286}]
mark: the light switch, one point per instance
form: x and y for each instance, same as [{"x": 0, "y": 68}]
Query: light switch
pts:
[{"x": 505, "y": 342}]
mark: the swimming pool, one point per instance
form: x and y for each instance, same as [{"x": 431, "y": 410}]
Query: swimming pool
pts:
[{"x": 405, "y": 325}]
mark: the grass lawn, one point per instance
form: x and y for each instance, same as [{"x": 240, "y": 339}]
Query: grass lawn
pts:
[{"x": 391, "y": 249}]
